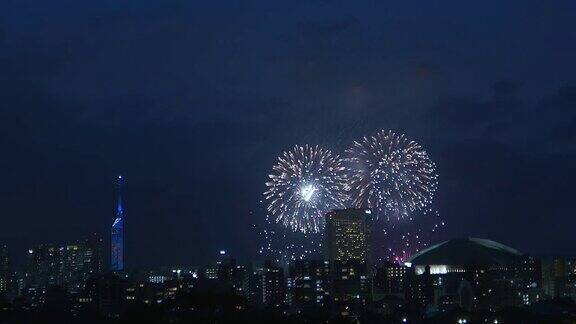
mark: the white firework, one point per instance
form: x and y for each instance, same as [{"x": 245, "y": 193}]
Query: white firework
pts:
[
  {"x": 307, "y": 182},
  {"x": 390, "y": 174}
]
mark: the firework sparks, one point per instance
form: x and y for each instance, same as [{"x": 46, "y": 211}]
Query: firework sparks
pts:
[
  {"x": 285, "y": 246},
  {"x": 391, "y": 175},
  {"x": 397, "y": 241},
  {"x": 307, "y": 182}
]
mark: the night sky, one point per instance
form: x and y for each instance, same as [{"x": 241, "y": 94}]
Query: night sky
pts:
[{"x": 192, "y": 101}]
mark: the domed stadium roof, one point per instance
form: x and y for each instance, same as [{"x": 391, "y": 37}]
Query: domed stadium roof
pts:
[{"x": 467, "y": 251}]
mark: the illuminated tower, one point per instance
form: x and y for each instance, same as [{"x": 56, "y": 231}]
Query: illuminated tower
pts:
[{"x": 118, "y": 233}]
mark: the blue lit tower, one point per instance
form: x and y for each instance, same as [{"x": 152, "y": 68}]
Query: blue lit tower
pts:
[{"x": 118, "y": 233}]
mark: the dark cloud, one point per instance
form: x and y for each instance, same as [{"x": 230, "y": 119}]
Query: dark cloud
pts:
[
  {"x": 565, "y": 131},
  {"x": 488, "y": 188},
  {"x": 555, "y": 118},
  {"x": 564, "y": 100},
  {"x": 317, "y": 41},
  {"x": 470, "y": 117}
]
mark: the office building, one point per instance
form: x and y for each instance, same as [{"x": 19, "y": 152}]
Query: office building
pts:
[
  {"x": 4, "y": 269},
  {"x": 351, "y": 280},
  {"x": 266, "y": 286},
  {"x": 45, "y": 265},
  {"x": 273, "y": 285},
  {"x": 390, "y": 279},
  {"x": 308, "y": 284},
  {"x": 69, "y": 265},
  {"x": 348, "y": 235},
  {"x": 81, "y": 260},
  {"x": 558, "y": 275}
]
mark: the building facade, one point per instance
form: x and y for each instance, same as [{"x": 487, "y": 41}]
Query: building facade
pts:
[
  {"x": 558, "y": 277},
  {"x": 348, "y": 235},
  {"x": 4, "y": 268},
  {"x": 308, "y": 284},
  {"x": 67, "y": 265}
]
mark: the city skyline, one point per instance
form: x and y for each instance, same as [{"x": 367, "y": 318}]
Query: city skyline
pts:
[{"x": 464, "y": 280}]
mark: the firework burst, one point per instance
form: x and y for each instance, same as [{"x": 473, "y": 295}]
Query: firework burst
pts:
[
  {"x": 306, "y": 182},
  {"x": 390, "y": 174}
]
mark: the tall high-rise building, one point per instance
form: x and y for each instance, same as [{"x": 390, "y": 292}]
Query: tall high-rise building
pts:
[
  {"x": 348, "y": 245},
  {"x": 309, "y": 283},
  {"x": 93, "y": 256},
  {"x": 348, "y": 235},
  {"x": 68, "y": 265},
  {"x": 231, "y": 274},
  {"x": 266, "y": 286},
  {"x": 45, "y": 265},
  {"x": 390, "y": 279},
  {"x": 82, "y": 260},
  {"x": 4, "y": 268},
  {"x": 117, "y": 245},
  {"x": 558, "y": 277},
  {"x": 273, "y": 285}
]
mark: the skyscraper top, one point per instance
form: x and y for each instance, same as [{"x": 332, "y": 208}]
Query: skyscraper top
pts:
[{"x": 119, "y": 207}]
